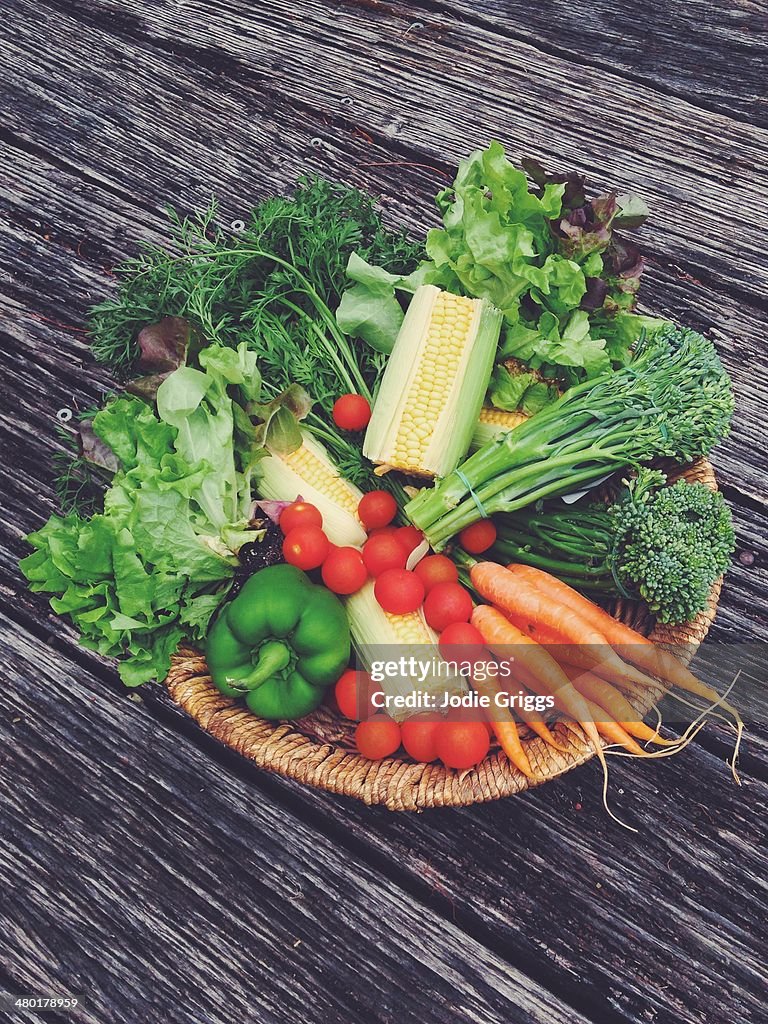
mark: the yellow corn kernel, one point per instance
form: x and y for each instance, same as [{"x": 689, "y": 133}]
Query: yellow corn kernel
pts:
[
  {"x": 499, "y": 417},
  {"x": 309, "y": 472},
  {"x": 439, "y": 363},
  {"x": 379, "y": 635},
  {"x": 410, "y": 628}
]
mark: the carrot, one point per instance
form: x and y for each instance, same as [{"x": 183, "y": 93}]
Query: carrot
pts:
[
  {"x": 542, "y": 634},
  {"x": 509, "y": 738},
  {"x": 635, "y": 682},
  {"x": 544, "y": 672},
  {"x": 613, "y": 731},
  {"x": 600, "y": 692},
  {"x": 504, "y": 725},
  {"x": 614, "y": 703},
  {"x": 534, "y": 720},
  {"x": 552, "y": 620},
  {"x": 536, "y": 723},
  {"x": 631, "y": 645}
]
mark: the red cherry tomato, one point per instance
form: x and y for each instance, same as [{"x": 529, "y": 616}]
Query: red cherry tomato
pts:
[
  {"x": 299, "y": 513},
  {"x": 462, "y": 744},
  {"x": 344, "y": 571},
  {"x": 478, "y": 537},
  {"x": 447, "y": 603},
  {"x": 462, "y": 644},
  {"x": 306, "y": 547},
  {"x": 460, "y": 634},
  {"x": 410, "y": 536},
  {"x": 384, "y": 531},
  {"x": 434, "y": 569},
  {"x": 353, "y": 694},
  {"x": 351, "y": 412},
  {"x": 383, "y": 552},
  {"x": 419, "y": 736},
  {"x": 378, "y": 737},
  {"x": 399, "y": 591},
  {"x": 376, "y": 509}
]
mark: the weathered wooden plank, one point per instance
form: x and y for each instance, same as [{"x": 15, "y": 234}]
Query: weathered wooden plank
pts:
[
  {"x": 245, "y": 120},
  {"x": 709, "y": 54},
  {"x": 226, "y": 904},
  {"x": 437, "y": 105},
  {"x": 655, "y": 804},
  {"x": 558, "y": 934},
  {"x": 661, "y": 927}
]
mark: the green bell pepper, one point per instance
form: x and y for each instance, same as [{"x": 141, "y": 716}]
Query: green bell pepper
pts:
[{"x": 280, "y": 643}]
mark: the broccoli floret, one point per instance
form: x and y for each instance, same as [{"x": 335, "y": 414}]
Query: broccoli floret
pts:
[{"x": 672, "y": 543}]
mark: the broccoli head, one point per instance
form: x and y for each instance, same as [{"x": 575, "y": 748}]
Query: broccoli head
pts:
[{"x": 671, "y": 544}]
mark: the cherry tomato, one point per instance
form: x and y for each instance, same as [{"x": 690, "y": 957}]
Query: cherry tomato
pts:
[
  {"x": 462, "y": 744},
  {"x": 383, "y": 552},
  {"x": 299, "y": 513},
  {"x": 344, "y": 571},
  {"x": 434, "y": 569},
  {"x": 399, "y": 591},
  {"x": 410, "y": 536},
  {"x": 462, "y": 644},
  {"x": 447, "y": 603},
  {"x": 376, "y": 509},
  {"x": 478, "y": 537},
  {"x": 460, "y": 634},
  {"x": 419, "y": 736},
  {"x": 306, "y": 547},
  {"x": 353, "y": 693},
  {"x": 351, "y": 412},
  {"x": 378, "y": 737},
  {"x": 384, "y": 531}
]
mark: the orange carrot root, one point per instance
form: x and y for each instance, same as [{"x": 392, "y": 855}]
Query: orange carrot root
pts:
[{"x": 543, "y": 674}]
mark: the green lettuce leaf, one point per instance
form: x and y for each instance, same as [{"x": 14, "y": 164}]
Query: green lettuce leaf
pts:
[
  {"x": 370, "y": 309},
  {"x": 525, "y": 392}
]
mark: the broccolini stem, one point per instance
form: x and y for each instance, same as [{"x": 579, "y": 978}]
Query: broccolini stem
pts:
[{"x": 506, "y": 551}]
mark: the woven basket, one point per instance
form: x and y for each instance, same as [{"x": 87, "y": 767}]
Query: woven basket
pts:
[{"x": 319, "y": 750}]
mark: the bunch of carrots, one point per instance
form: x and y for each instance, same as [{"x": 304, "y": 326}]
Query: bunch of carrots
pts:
[{"x": 565, "y": 646}]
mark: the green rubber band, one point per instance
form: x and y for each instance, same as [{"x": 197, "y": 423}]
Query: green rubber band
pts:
[{"x": 474, "y": 497}]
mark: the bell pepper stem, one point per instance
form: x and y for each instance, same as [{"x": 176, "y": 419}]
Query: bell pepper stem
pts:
[{"x": 273, "y": 657}]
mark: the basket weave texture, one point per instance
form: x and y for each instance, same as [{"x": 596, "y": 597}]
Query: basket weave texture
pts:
[{"x": 319, "y": 750}]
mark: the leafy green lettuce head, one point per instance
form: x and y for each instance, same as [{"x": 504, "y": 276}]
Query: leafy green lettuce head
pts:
[{"x": 152, "y": 568}]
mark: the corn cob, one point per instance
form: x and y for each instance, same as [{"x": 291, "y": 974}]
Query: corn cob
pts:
[
  {"x": 492, "y": 422},
  {"x": 434, "y": 383},
  {"x": 379, "y": 635},
  {"x": 309, "y": 472}
]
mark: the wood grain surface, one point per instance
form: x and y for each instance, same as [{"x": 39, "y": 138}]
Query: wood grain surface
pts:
[{"x": 154, "y": 872}]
